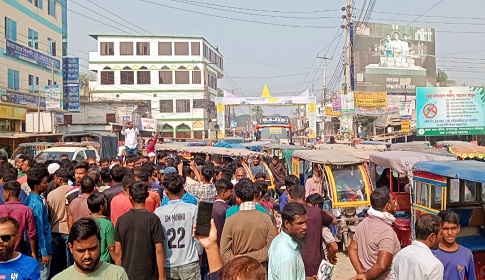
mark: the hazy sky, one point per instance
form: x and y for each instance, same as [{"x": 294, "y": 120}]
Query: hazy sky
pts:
[{"x": 283, "y": 57}]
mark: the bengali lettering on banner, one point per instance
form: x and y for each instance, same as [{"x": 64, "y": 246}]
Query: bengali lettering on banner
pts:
[
  {"x": 371, "y": 100},
  {"x": 329, "y": 112},
  {"x": 52, "y": 97},
  {"x": 346, "y": 123},
  {"x": 450, "y": 111},
  {"x": 147, "y": 124},
  {"x": 405, "y": 126},
  {"x": 25, "y": 53},
  {"x": 312, "y": 117},
  {"x": 406, "y": 110},
  {"x": 13, "y": 113},
  {"x": 71, "y": 98},
  {"x": 347, "y": 100},
  {"x": 220, "y": 108},
  {"x": 70, "y": 70},
  {"x": 231, "y": 99}
]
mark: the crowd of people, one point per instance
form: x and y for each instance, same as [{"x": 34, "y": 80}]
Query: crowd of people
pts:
[{"x": 136, "y": 219}]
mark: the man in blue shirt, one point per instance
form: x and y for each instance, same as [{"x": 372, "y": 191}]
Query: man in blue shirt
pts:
[
  {"x": 285, "y": 260},
  {"x": 37, "y": 181},
  {"x": 14, "y": 265},
  {"x": 457, "y": 260},
  {"x": 290, "y": 180}
]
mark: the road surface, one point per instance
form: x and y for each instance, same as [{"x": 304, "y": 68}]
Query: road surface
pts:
[{"x": 343, "y": 270}]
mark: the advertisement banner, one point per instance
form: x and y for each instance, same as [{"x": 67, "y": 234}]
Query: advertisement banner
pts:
[
  {"x": 377, "y": 111},
  {"x": 347, "y": 100},
  {"x": 30, "y": 99},
  {"x": 329, "y": 112},
  {"x": 346, "y": 123},
  {"x": 230, "y": 99},
  {"x": 405, "y": 126},
  {"x": 384, "y": 54},
  {"x": 406, "y": 110},
  {"x": 71, "y": 98},
  {"x": 336, "y": 103},
  {"x": 312, "y": 117},
  {"x": 371, "y": 100},
  {"x": 13, "y": 113},
  {"x": 25, "y": 53},
  {"x": 147, "y": 124},
  {"x": 59, "y": 118},
  {"x": 220, "y": 108},
  {"x": 450, "y": 111},
  {"x": 70, "y": 70},
  {"x": 52, "y": 97}
]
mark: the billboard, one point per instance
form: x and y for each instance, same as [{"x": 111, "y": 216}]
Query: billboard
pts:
[
  {"x": 450, "y": 111},
  {"x": 385, "y": 54},
  {"x": 371, "y": 100},
  {"x": 25, "y": 53},
  {"x": 52, "y": 97}
]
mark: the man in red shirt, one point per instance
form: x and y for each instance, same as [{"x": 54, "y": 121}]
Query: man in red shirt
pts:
[
  {"x": 120, "y": 204},
  {"x": 23, "y": 214}
]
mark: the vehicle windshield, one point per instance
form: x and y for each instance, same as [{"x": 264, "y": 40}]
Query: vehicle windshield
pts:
[
  {"x": 350, "y": 183},
  {"x": 45, "y": 156}
]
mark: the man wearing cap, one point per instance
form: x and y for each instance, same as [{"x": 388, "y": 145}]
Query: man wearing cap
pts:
[
  {"x": 52, "y": 168},
  {"x": 186, "y": 197},
  {"x": 152, "y": 156},
  {"x": 257, "y": 168}
]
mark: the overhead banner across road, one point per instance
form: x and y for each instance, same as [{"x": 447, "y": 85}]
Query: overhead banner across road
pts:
[
  {"x": 450, "y": 111},
  {"x": 231, "y": 99},
  {"x": 370, "y": 100}
]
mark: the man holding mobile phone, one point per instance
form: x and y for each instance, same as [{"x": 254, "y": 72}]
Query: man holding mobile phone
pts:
[
  {"x": 178, "y": 218},
  {"x": 131, "y": 134}
]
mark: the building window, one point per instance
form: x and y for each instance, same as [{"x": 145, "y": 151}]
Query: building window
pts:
[
  {"x": 126, "y": 48},
  {"x": 13, "y": 79},
  {"x": 183, "y": 105},
  {"x": 195, "y": 48},
  {"x": 10, "y": 29},
  {"x": 205, "y": 50},
  {"x": 166, "y": 106},
  {"x": 181, "y": 48},
  {"x": 107, "y": 48},
  {"x": 51, "y": 47},
  {"x": 196, "y": 77},
  {"x": 51, "y": 7},
  {"x": 127, "y": 77},
  {"x": 38, "y": 3},
  {"x": 143, "y": 77},
  {"x": 107, "y": 77},
  {"x": 212, "y": 82},
  {"x": 33, "y": 39},
  {"x": 182, "y": 77},
  {"x": 142, "y": 48},
  {"x": 110, "y": 118},
  {"x": 165, "y": 48},
  {"x": 165, "y": 77},
  {"x": 199, "y": 103},
  {"x": 33, "y": 84}
]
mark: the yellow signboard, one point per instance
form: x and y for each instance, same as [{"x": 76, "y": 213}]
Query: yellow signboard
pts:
[
  {"x": 275, "y": 130},
  {"x": 312, "y": 107},
  {"x": 371, "y": 100},
  {"x": 12, "y": 113},
  {"x": 329, "y": 112},
  {"x": 405, "y": 126},
  {"x": 220, "y": 107}
]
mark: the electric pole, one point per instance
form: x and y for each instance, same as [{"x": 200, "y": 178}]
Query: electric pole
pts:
[
  {"x": 325, "y": 97},
  {"x": 348, "y": 48}
]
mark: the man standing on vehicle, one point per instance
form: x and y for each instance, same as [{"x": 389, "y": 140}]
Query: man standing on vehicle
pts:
[
  {"x": 131, "y": 134},
  {"x": 457, "y": 260},
  {"x": 257, "y": 167},
  {"x": 375, "y": 242},
  {"x": 279, "y": 173}
]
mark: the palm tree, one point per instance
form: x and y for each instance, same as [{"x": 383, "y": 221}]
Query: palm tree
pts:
[{"x": 257, "y": 112}]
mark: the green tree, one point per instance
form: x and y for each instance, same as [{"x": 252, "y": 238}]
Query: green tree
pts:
[
  {"x": 366, "y": 122},
  {"x": 257, "y": 112},
  {"x": 84, "y": 80},
  {"x": 442, "y": 79}
]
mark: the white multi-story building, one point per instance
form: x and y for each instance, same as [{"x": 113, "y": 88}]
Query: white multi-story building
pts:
[{"x": 176, "y": 76}]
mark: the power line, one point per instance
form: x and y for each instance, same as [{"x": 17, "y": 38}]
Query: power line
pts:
[{"x": 425, "y": 12}]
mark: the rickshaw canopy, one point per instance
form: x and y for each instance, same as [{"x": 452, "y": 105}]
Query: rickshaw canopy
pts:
[
  {"x": 327, "y": 157},
  {"x": 469, "y": 170},
  {"x": 468, "y": 151},
  {"x": 403, "y": 161}
]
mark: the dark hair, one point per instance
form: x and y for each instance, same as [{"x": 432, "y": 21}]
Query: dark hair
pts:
[
  {"x": 35, "y": 175},
  {"x": 260, "y": 175},
  {"x": 291, "y": 210},
  {"x": 297, "y": 192},
  {"x": 148, "y": 167},
  {"x": 87, "y": 185},
  {"x": 207, "y": 172},
  {"x": 226, "y": 174},
  {"x": 379, "y": 198},
  {"x": 315, "y": 199},
  {"x": 82, "y": 165},
  {"x": 30, "y": 161},
  {"x": 223, "y": 185},
  {"x": 216, "y": 158},
  {"x": 275, "y": 158},
  {"x": 95, "y": 201},
  {"x": 8, "y": 219},
  {"x": 217, "y": 170},
  {"x": 8, "y": 172},
  {"x": 232, "y": 166},
  {"x": 291, "y": 180},
  {"x": 105, "y": 175},
  {"x": 64, "y": 174},
  {"x": 131, "y": 160},
  {"x": 128, "y": 180},
  {"x": 173, "y": 183},
  {"x": 143, "y": 176},
  {"x": 117, "y": 173},
  {"x": 12, "y": 187},
  {"x": 449, "y": 216},
  {"x": 245, "y": 190},
  {"x": 82, "y": 229},
  {"x": 260, "y": 186},
  {"x": 139, "y": 192},
  {"x": 103, "y": 160},
  {"x": 426, "y": 224},
  {"x": 245, "y": 268}
]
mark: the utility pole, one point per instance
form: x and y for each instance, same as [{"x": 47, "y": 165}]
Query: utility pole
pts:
[
  {"x": 348, "y": 49},
  {"x": 325, "y": 97}
]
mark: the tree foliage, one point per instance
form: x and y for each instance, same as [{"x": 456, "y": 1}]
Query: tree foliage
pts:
[{"x": 442, "y": 79}]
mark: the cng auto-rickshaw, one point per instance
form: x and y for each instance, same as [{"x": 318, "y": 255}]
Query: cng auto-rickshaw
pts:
[
  {"x": 346, "y": 186},
  {"x": 400, "y": 164},
  {"x": 459, "y": 186}
]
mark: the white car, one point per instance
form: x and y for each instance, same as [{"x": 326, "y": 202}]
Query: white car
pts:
[{"x": 73, "y": 153}]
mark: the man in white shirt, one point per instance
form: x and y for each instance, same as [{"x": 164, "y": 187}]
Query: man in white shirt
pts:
[
  {"x": 131, "y": 134},
  {"x": 417, "y": 261}
]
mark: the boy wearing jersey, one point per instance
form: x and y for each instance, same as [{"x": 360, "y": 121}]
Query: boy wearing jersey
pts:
[{"x": 178, "y": 218}]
